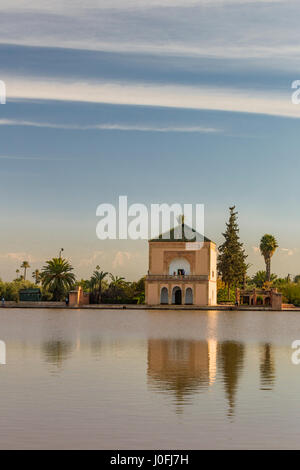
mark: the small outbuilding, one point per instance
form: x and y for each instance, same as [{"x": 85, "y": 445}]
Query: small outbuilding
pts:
[
  {"x": 77, "y": 297},
  {"x": 30, "y": 295},
  {"x": 270, "y": 298}
]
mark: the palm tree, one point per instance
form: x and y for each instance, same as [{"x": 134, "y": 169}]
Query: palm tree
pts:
[
  {"x": 260, "y": 278},
  {"x": 17, "y": 272},
  {"x": 25, "y": 266},
  {"x": 37, "y": 276},
  {"x": 57, "y": 276},
  {"x": 268, "y": 245},
  {"x": 116, "y": 283},
  {"x": 96, "y": 281}
]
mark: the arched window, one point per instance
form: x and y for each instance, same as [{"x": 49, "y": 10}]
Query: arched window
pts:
[
  {"x": 164, "y": 296},
  {"x": 189, "y": 296},
  {"x": 179, "y": 266}
]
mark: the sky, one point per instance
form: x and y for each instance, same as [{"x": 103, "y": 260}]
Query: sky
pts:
[{"x": 165, "y": 101}]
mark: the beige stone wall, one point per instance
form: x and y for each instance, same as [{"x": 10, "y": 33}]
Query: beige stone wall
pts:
[
  {"x": 152, "y": 295},
  {"x": 212, "y": 293},
  {"x": 204, "y": 293},
  {"x": 40, "y": 304},
  {"x": 201, "y": 294},
  {"x": 276, "y": 301},
  {"x": 202, "y": 262},
  {"x": 213, "y": 262},
  {"x": 78, "y": 297}
]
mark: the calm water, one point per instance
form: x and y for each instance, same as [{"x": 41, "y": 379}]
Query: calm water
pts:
[{"x": 149, "y": 379}]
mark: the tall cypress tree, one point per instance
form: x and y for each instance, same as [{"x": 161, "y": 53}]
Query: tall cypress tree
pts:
[{"x": 232, "y": 258}]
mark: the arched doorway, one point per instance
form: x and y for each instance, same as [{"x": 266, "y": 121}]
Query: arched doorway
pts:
[
  {"x": 189, "y": 296},
  {"x": 177, "y": 296},
  {"x": 164, "y": 296}
]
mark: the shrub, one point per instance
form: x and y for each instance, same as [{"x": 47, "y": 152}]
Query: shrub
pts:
[{"x": 291, "y": 294}]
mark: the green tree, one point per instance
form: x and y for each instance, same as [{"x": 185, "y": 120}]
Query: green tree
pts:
[
  {"x": 297, "y": 279},
  {"x": 37, "y": 276},
  {"x": 25, "y": 266},
  {"x": 261, "y": 277},
  {"x": 138, "y": 291},
  {"x": 57, "y": 277},
  {"x": 97, "y": 281},
  {"x": 268, "y": 245},
  {"x": 116, "y": 285},
  {"x": 10, "y": 290},
  {"x": 232, "y": 258},
  {"x": 291, "y": 293},
  {"x": 17, "y": 273},
  {"x": 85, "y": 284}
]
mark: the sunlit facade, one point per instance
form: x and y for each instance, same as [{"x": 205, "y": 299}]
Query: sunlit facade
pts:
[{"x": 182, "y": 271}]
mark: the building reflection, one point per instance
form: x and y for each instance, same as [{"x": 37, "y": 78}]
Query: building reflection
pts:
[
  {"x": 267, "y": 368},
  {"x": 184, "y": 367},
  {"x": 181, "y": 366}
]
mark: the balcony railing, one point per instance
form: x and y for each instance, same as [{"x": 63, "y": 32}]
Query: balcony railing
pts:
[{"x": 169, "y": 277}]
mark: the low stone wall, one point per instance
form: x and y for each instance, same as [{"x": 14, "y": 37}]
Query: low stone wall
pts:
[
  {"x": 33, "y": 304},
  {"x": 62, "y": 305}
]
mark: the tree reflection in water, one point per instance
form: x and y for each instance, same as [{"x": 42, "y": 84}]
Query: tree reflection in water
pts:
[
  {"x": 57, "y": 351},
  {"x": 267, "y": 368},
  {"x": 231, "y": 357}
]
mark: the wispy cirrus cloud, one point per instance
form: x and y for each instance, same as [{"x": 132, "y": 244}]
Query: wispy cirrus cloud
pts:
[
  {"x": 29, "y": 157},
  {"x": 149, "y": 94},
  {"x": 70, "y": 7},
  {"x": 107, "y": 126},
  {"x": 195, "y": 27}
]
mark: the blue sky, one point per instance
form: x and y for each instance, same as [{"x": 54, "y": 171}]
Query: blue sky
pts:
[{"x": 163, "y": 101}]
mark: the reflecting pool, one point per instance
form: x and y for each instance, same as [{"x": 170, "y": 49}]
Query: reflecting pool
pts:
[{"x": 138, "y": 379}]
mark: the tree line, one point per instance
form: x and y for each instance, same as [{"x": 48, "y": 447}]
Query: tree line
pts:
[{"x": 56, "y": 278}]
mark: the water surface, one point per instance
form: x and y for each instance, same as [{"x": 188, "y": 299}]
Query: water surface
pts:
[{"x": 138, "y": 379}]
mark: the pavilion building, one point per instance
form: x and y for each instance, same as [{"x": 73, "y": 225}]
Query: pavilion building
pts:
[{"x": 182, "y": 269}]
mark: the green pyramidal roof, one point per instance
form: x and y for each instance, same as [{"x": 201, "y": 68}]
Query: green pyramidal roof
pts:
[{"x": 181, "y": 233}]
